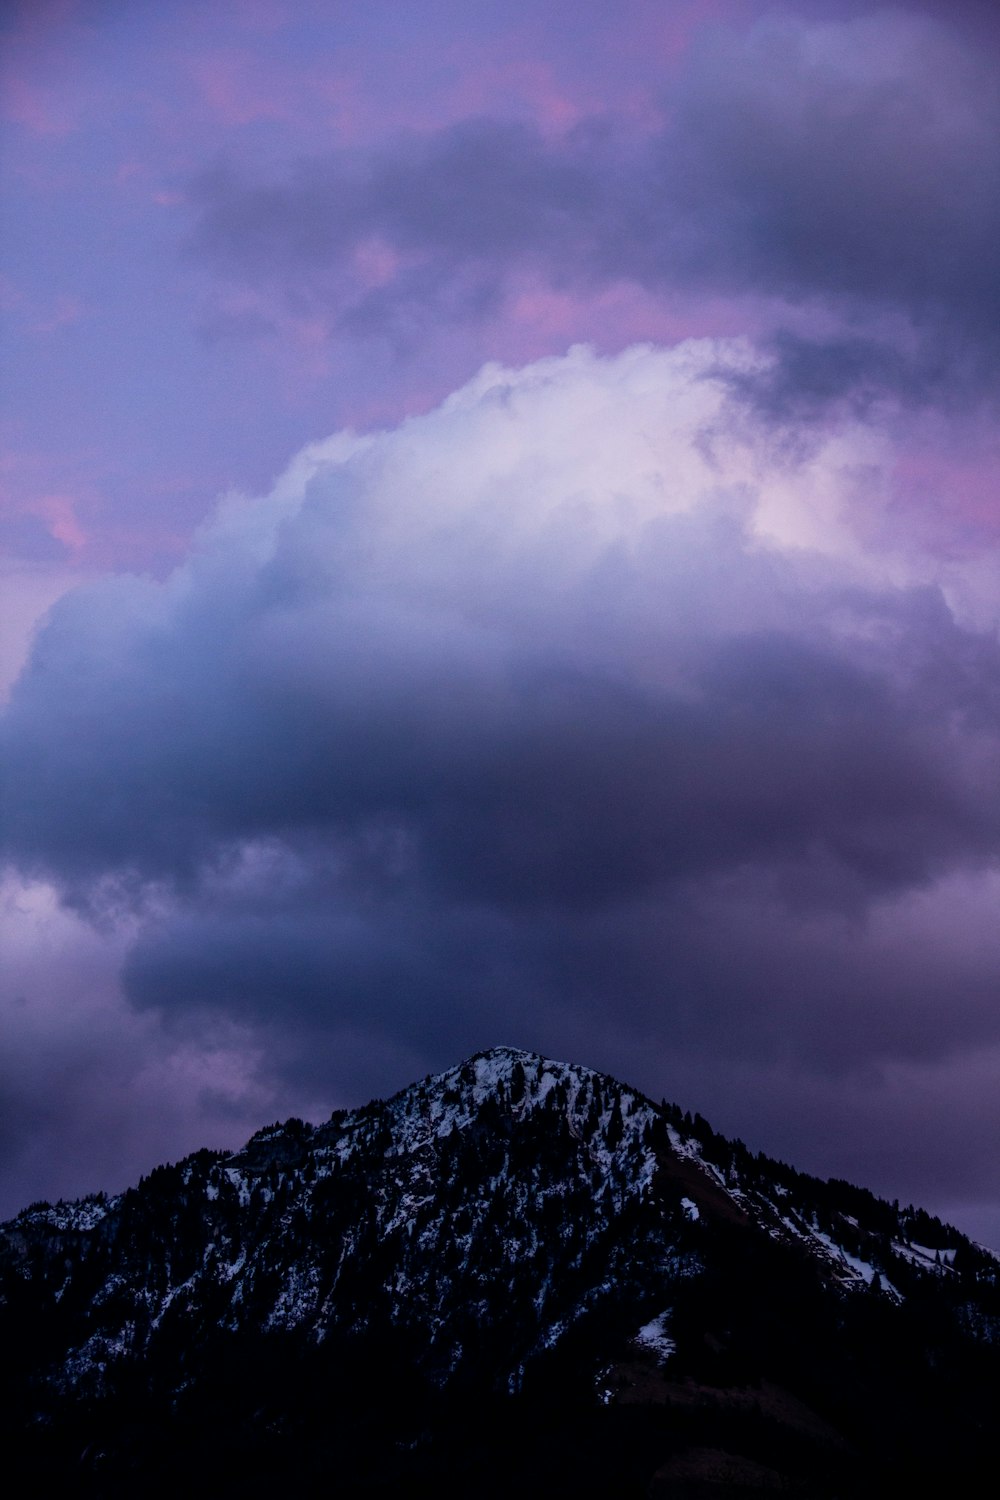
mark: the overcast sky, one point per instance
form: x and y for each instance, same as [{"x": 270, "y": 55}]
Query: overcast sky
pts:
[{"x": 499, "y": 534}]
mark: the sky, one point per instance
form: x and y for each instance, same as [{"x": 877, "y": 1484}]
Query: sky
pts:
[{"x": 500, "y": 536}]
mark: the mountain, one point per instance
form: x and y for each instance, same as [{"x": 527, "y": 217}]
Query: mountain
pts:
[{"x": 519, "y": 1274}]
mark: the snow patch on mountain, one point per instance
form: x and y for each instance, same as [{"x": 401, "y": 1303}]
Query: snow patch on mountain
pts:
[{"x": 654, "y": 1336}]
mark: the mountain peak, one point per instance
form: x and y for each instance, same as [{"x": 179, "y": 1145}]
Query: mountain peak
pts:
[
  {"x": 496, "y": 1068},
  {"x": 480, "y": 1224}
]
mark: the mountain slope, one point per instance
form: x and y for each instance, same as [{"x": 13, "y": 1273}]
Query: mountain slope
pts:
[{"x": 514, "y": 1246}]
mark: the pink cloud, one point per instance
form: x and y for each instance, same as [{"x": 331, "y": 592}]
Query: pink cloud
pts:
[
  {"x": 375, "y": 262},
  {"x": 37, "y": 108},
  {"x": 516, "y": 70},
  {"x": 468, "y": 78},
  {"x": 38, "y": 81},
  {"x": 58, "y": 492},
  {"x": 957, "y": 493},
  {"x": 672, "y": 29},
  {"x": 238, "y": 90},
  {"x": 528, "y": 80},
  {"x": 127, "y": 170},
  {"x": 622, "y": 73},
  {"x": 538, "y": 320},
  {"x": 59, "y": 512},
  {"x": 139, "y": 177}
]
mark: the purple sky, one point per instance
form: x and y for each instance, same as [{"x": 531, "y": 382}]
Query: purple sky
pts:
[{"x": 499, "y": 544}]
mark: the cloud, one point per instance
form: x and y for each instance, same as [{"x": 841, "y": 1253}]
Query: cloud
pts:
[
  {"x": 545, "y": 621},
  {"x": 528, "y": 693},
  {"x": 93, "y": 1093},
  {"x": 854, "y": 159},
  {"x": 850, "y": 166}
]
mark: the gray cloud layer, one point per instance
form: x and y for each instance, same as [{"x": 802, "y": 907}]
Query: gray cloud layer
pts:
[{"x": 854, "y": 164}]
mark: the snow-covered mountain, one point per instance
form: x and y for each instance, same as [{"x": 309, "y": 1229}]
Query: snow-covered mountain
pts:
[{"x": 519, "y": 1234}]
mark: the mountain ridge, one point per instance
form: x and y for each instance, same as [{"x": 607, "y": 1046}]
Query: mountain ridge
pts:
[{"x": 508, "y": 1217}]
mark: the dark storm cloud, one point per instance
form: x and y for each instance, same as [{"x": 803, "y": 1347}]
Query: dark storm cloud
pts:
[
  {"x": 144, "y": 746},
  {"x": 852, "y": 164},
  {"x": 859, "y": 161},
  {"x": 727, "y": 970},
  {"x": 808, "y": 375}
]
